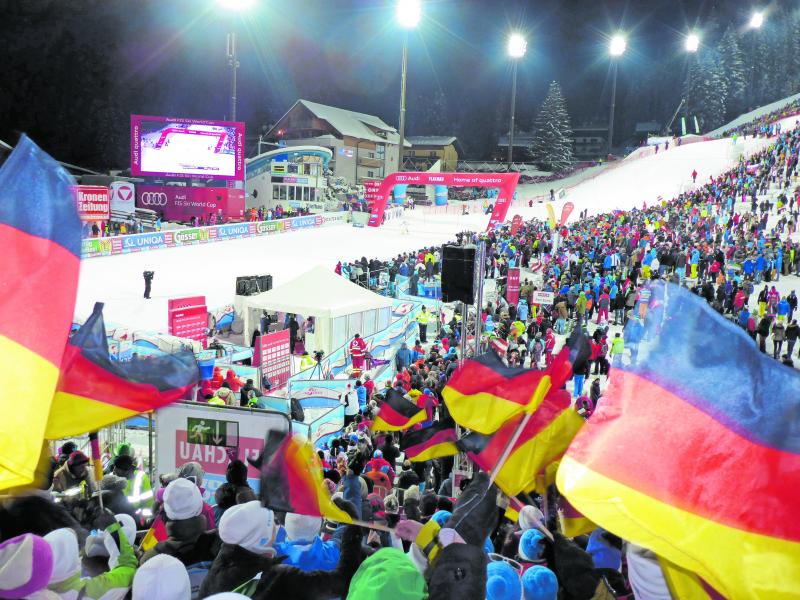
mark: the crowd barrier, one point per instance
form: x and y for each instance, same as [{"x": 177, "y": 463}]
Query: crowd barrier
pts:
[{"x": 123, "y": 244}]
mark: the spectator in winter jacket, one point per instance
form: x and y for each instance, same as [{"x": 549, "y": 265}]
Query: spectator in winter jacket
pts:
[
  {"x": 792, "y": 333},
  {"x": 403, "y": 357},
  {"x": 187, "y": 539},
  {"x": 304, "y": 548},
  {"x": 66, "y": 580},
  {"x": 778, "y": 337},
  {"x": 235, "y": 490}
]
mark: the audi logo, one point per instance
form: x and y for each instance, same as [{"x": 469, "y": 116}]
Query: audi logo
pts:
[{"x": 153, "y": 199}]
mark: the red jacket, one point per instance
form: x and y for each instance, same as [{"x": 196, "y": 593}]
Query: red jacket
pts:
[{"x": 358, "y": 348}]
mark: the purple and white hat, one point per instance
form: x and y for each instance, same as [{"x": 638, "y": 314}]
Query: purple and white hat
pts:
[{"x": 26, "y": 564}]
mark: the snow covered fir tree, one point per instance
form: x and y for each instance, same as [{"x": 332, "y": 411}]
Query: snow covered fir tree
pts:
[{"x": 552, "y": 142}]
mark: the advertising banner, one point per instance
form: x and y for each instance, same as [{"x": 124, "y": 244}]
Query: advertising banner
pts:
[
  {"x": 179, "y": 203},
  {"x": 543, "y": 298},
  {"x": 506, "y": 183},
  {"x": 123, "y": 198},
  {"x": 512, "y": 286},
  {"x": 551, "y": 216},
  {"x": 565, "y": 213},
  {"x": 93, "y": 202},
  {"x": 272, "y": 355},
  {"x": 176, "y": 147},
  {"x": 212, "y": 436},
  {"x": 188, "y": 318},
  {"x": 516, "y": 223},
  {"x": 123, "y": 244}
]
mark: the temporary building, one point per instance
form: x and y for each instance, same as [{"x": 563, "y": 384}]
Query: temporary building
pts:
[{"x": 339, "y": 308}]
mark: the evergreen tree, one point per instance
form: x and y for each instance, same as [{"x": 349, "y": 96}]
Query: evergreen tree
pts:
[
  {"x": 706, "y": 92},
  {"x": 733, "y": 70},
  {"x": 552, "y": 142}
]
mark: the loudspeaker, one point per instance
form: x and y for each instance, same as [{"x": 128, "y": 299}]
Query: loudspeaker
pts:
[
  {"x": 250, "y": 285},
  {"x": 458, "y": 271}
]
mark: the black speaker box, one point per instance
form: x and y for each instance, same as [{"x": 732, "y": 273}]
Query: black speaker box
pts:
[
  {"x": 250, "y": 285},
  {"x": 458, "y": 271}
]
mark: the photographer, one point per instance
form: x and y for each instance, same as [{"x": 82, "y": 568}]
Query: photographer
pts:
[{"x": 148, "y": 281}]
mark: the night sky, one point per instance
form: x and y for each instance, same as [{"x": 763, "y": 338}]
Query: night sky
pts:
[{"x": 75, "y": 70}]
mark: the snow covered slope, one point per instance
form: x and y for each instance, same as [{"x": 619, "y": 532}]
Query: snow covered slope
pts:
[
  {"x": 211, "y": 269},
  {"x": 754, "y": 114}
]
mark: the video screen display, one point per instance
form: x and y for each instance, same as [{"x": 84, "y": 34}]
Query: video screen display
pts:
[{"x": 170, "y": 147}]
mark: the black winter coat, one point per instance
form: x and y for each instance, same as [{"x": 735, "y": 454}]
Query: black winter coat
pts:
[
  {"x": 188, "y": 541},
  {"x": 233, "y": 566}
]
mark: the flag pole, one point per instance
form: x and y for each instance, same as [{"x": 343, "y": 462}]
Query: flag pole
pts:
[
  {"x": 509, "y": 446},
  {"x": 97, "y": 463}
]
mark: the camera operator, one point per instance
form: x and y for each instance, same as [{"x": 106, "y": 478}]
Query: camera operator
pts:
[{"x": 148, "y": 281}]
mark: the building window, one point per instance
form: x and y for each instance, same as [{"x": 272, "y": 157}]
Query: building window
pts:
[
  {"x": 432, "y": 154},
  {"x": 276, "y": 192},
  {"x": 370, "y": 174}
]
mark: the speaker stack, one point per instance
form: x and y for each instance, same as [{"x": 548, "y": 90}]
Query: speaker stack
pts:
[
  {"x": 458, "y": 270},
  {"x": 250, "y": 285}
]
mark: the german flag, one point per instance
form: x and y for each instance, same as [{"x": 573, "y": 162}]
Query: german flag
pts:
[
  {"x": 701, "y": 413},
  {"x": 291, "y": 481},
  {"x": 428, "y": 443},
  {"x": 573, "y": 523},
  {"x": 396, "y": 412},
  {"x": 544, "y": 438},
  {"x": 484, "y": 393},
  {"x": 94, "y": 391},
  {"x": 686, "y": 585},
  {"x": 40, "y": 235}
]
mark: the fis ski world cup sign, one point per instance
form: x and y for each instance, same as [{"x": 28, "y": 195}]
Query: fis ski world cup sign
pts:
[
  {"x": 506, "y": 183},
  {"x": 93, "y": 202}
]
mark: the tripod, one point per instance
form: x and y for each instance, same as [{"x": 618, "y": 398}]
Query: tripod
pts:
[{"x": 318, "y": 369}]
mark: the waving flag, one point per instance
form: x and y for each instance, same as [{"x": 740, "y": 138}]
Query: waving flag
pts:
[
  {"x": 94, "y": 391},
  {"x": 40, "y": 237},
  {"x": 396, "y": 412},
  {"x": 543, "y": 439},
  {"x": 694, "y": 452},
  {"x": 573, "y": 523},
  {"x": 431, "y": 442},
  {"x": 291, "y": 481}
]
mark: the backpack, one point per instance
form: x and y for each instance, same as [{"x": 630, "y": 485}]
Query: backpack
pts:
[{"x": 297, "y": 411}]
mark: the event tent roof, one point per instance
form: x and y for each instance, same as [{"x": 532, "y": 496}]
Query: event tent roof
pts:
[{"x": 319, "y": 293}]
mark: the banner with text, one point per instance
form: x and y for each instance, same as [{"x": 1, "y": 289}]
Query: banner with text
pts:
[
  {"x": 93, "y": 202},
  {"x": 512, "y": 286}
]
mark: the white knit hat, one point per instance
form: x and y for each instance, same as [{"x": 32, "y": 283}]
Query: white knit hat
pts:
[
  {"x": 163, "y": 577},
  {"x": 182, "y": 500},
  {"x": 302, "y": 527},
  {"x": 248, "y": 525},
  {"x": 66, "y": 557}
]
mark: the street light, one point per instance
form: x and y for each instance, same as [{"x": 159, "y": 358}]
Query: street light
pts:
[
  {"x": 757, "y": 20},
  {"x": 408, "y": 14},
  {"x": 616, "y": 49},
  {"x": 231, "y": 52},
  {"x": 692, "y": 42},
  {"x": 517, "y": 45}
]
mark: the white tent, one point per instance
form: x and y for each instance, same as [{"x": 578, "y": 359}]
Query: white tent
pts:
[{"x": 339, "y": 308}]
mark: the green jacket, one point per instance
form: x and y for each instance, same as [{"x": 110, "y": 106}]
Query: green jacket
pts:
[
  {"x": 580, "y": 303},
  {"x": 617, "y": 346},
  {"x": 113, "y": 585}
]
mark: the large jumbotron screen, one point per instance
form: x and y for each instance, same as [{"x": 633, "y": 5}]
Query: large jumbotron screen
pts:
[{"x": 169, "y": 147}]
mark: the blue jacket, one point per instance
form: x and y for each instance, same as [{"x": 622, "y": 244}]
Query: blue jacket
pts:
[
  {"x": 402, "y": 359},
  {"x": 783, "y": 307},
  {"x": 361, "y": 394},
  {"x": 760, "y": 263},
  {"x": 310, "y": 556}
]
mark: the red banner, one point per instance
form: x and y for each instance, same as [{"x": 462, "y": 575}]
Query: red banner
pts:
[
  {"x": 512, "y": 286},
  {"x": 565, "y": 213},
  {"x": 272, "y": 355},
  {"x": 371, "y": 189},
  {"x": 506, "y": 183},
  {"x": 93, "y": 202},
  {"x": 188, "y": 318},
  {"x": 516, "y": 223}
]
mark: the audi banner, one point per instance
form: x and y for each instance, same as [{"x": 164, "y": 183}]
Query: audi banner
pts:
[
  {"x": 93, "y": 202},
  {"x": 178, "y": 203}
]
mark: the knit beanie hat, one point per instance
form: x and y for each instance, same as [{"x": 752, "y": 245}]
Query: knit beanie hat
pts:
[
  {"x": 391, "y": 505},
  {"x": 301, "y": 527},
  {"x": 412, "y": 492},
  {"x": 441, "y": 516},
  {"x": 531, "y": 545},
  {"x": 163, "y": 577},
  {"x": 603, "y": 554},
  {"x": 539, "y": 583},
  {"x": 182, "y": 500},
  {"x": 66, "y": 557},
  {"x": 77, "y": 458},
  {"x": 387, "y": 574},
  {"x": 530, "y": 517},
  {"x": 502, "y": 582},
  {"x": 26, "y": 564},
  {"x": 250, "y": 526}
]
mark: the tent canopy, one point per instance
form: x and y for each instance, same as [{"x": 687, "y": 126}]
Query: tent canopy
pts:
[{"x": 319, "y": 293}]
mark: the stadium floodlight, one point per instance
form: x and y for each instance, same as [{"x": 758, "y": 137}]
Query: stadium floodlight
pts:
[
  {"x": 618, "y": 45},
  {"x": 692, "y": 42},
  {"x": 517, "y": 45},
  {"x": 237, "y": 5},
  {"x": 757, "y": 20},
  {"x": 408, "y": 13}
]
